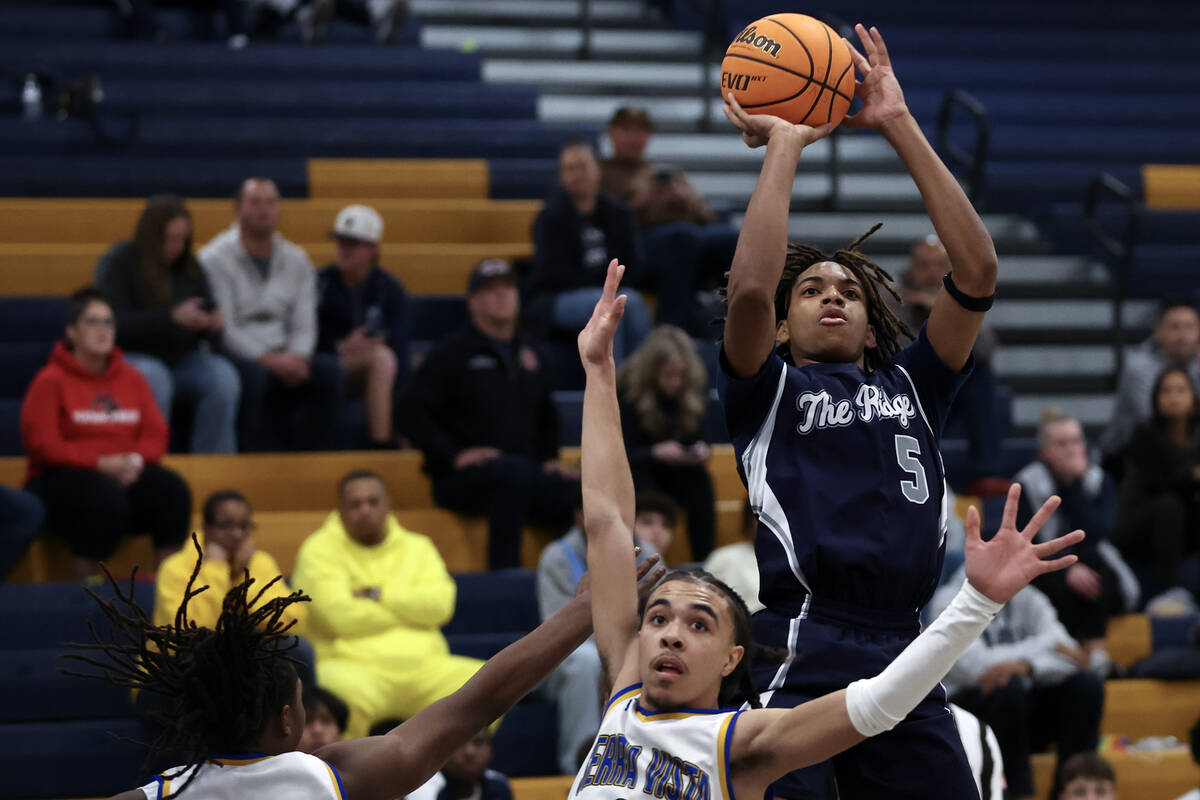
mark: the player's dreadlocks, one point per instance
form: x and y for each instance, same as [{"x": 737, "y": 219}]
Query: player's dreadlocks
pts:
[
  {"x": 736, "y": 687},
  {"x": 219, "y": 686},
  {"x": 888, "y": 327}
]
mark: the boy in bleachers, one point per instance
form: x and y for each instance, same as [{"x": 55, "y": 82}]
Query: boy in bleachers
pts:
[
  {"x": 325, "y": 718},
  {"x": 466, "y": 775},
  {"x": 576, "y": 684},
  {"x": 265, "y": 287},
  {"x": 479, "y": 408},
  {"x": 229, "y": 553},
  {"x": 380, "y": 596},
  {"x": 362, "y": 319},
  {"x": 1086, "y": 776}
]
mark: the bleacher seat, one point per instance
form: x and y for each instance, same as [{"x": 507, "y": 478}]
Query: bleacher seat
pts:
[{"x": 82, "y": 758}]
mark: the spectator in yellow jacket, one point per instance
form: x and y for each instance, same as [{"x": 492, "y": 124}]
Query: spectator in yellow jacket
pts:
[
  {"x": 229, "y": 551},
  {"x": 380, "y": 595}
]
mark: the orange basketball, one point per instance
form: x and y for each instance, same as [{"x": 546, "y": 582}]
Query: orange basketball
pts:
[{"x": 792, "y": 66}]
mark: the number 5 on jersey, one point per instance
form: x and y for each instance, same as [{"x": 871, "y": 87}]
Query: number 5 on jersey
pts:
[{"x": 907, "y": 451}]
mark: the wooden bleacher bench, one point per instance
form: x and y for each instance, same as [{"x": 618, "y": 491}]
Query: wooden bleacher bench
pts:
[
  {"x": 59, "y": 269},
  {"x": 1140, "y": 707},
  {"x": 1171, "y": 186},
  {"x": 365, "y": 180},
  {"x": 304, "y": 220}
]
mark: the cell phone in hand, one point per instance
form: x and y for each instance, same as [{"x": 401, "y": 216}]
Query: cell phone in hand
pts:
[{"x": 373, "y": 324}]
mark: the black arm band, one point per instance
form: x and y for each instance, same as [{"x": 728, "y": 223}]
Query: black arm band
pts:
[{"x": 977, "y": 304}]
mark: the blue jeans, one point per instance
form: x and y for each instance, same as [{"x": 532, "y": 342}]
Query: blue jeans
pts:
[
  {"x": 209, "y": 386},
  {"x": 21, "y": 517},
  {"x": 276, "y": 417},
  {"x": 573, "y": 309}
]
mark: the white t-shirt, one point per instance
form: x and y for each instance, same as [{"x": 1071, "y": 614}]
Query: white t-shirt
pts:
[
  {"x": 1194, "y": 794},
  {"x": 287, "y": 775}
]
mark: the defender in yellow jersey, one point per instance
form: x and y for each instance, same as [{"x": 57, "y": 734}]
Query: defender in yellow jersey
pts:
[{"x": 673, "y": 730}]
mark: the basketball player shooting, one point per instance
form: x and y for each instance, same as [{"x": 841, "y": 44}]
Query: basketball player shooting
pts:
[
  {"x": 678, "y": 662},
  {"x": 837, "y": 432}
]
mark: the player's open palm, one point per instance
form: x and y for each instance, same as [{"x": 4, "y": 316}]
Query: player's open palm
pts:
[
  {"x": 1006, "y": 563},
  {"x": 596, "y": 338},
  {"x": 757, "y": 129},
  {"x": 879, "y": 90}
]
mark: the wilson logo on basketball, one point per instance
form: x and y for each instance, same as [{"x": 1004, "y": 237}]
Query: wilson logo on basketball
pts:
[{"x": 752, "y": 37}]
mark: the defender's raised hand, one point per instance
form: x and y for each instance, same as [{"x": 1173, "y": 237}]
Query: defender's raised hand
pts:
[
  {"x": 878, "y": 90},
  {"x": 596, "y": 338},
  {"x": 1005, "y": 565},
  {"x": 757, "y": 129}
]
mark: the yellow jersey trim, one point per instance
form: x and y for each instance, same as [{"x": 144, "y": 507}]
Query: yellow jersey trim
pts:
[
  {"x": 238, "y": 762},
  {"x": 333, "y": 778},
  {"x": 629, "y": 691}
]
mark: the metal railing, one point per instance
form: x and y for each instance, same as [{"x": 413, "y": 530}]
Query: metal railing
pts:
[
  {"x": 974, "y": 160},
  {"x": 1117, "y": 250}
]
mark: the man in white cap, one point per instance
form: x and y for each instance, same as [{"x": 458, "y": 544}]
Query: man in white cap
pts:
[{"x": 362, "y": 319}]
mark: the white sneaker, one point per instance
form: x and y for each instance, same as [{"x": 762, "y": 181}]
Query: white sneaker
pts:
[
  {"x": 238, "y": 41},
  {"x": 1175, "y": 602}
]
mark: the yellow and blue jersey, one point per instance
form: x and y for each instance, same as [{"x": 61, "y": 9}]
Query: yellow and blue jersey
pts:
[
  {"x": 676, "y": 755},
  {"x": 287, "y": 775}
]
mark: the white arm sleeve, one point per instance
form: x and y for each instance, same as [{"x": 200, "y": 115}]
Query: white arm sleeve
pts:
[{"x": 879, "y": 704}]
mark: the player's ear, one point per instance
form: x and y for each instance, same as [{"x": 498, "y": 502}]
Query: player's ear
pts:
[
  {"x": 870, "y": 337},
  {"x": 781, "y": 331},
  {"x": 735, "y": 657}
]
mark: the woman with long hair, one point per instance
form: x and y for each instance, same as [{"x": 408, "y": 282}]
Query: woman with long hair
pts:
[
  {"x": 664, "y": 398},
  {"x": 1159, "y": 503},
  {"x": 169, "y": 325}
]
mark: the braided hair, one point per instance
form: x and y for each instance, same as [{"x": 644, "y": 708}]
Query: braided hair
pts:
[
  {"x": 737, "y": 688},
  {"x": 219, "y": 686},
  {"x": 888, "y": 327}
]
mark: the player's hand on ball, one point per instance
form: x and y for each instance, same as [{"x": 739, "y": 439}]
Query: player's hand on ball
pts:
[
  {"x": 596, "y": 338},
  {"x": 758, "y": 129},
  {"x": 1007, "y": 563},
  {"x": 878, "y": 90}
]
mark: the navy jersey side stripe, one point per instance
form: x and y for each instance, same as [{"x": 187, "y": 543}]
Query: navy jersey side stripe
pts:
[
  {"x": 944, "y": 514},
  {"x": 762, "y": 499}
]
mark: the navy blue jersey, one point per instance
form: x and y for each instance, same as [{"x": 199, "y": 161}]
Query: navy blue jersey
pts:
[{"x": 844, "y": 473}]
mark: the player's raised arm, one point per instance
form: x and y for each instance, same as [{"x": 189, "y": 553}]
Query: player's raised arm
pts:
[
  {"x": 769, "y": 743},
  {"x": 608, "y": 496},
  {"x": 954, "y": 322},
  {"x": 762, "y": 244}
]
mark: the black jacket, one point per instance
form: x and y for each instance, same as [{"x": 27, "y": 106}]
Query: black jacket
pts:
[
  {"x": 558, "y": 264},
  {"x": 140, "y": 327},
  {"x": 381, "y": 302},
  {"x": 468, "y": 392}
]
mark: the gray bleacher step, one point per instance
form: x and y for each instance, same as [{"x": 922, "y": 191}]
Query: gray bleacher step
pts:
[
  {"x": 558, "y": 42},
  {"x": 1094, "y": 410},
  {"x": 1030, "y": 361},
  {"x": 869, "y": 191},
  {"x": 1012, "y": 233},
  {"x": 1053, "y": 314},
  {"x": 531, "y": 12},
  {"x": 724, "y": 150},
  {"x": 597, "y": 75}
]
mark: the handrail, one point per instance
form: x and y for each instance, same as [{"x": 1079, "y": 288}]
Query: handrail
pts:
[
  {"x": 713, "y": 43},
  {"x": 585, "y": 30},
  {"x": 975, "y": 160},
  {"x": 1119, "y": 252},
  {"x": 833, "y": 165}
]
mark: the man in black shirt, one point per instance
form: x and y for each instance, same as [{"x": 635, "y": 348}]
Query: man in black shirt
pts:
[{"x": 479, "y": 408}]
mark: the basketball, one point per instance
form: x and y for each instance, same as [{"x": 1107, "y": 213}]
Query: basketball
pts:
[{"x": 791, "y": 66}]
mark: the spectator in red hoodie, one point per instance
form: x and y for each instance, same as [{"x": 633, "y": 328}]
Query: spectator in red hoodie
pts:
[{"x": 94, "y": 436}]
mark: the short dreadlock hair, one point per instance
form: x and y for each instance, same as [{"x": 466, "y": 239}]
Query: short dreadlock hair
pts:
[
  {"x": 888, "y": 327},
  {"x": 737, "y": 688},
  {"x": 219, "y": 686}
]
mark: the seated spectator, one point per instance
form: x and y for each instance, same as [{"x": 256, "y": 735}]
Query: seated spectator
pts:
[
  {"x": 976, "y": 402},
  {"x": 94, "y": 437},
  {"x": 229, "y": 553},
  {"x": 265, "y": 288},
  {"x": 479, "y": 408},
  {"x": 325, "y": 718},
  {"x": 1100, "y": 584},
  {"x": 1175, "y": 343},
  {"x": 663, "y": 390},
  {"x": 575, "y": 236},
  {"x": 466, "y": 775},
  {"x": 21, "y": 517},
  {"x": 1026, "y": 678},
  {"x": 737, "y": 565},
  {"x": 577, "y": 685},
  {"x": 685, "y": 249},
  {"x": 169, "y": 326},
  {"x": 386, "y": 17},
  {"x": 1160, "y": 491},
  {"x": 1086, "y": 776},
  {"x": 380, "y": 595},
  {"x": 362, "y": 318}
]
